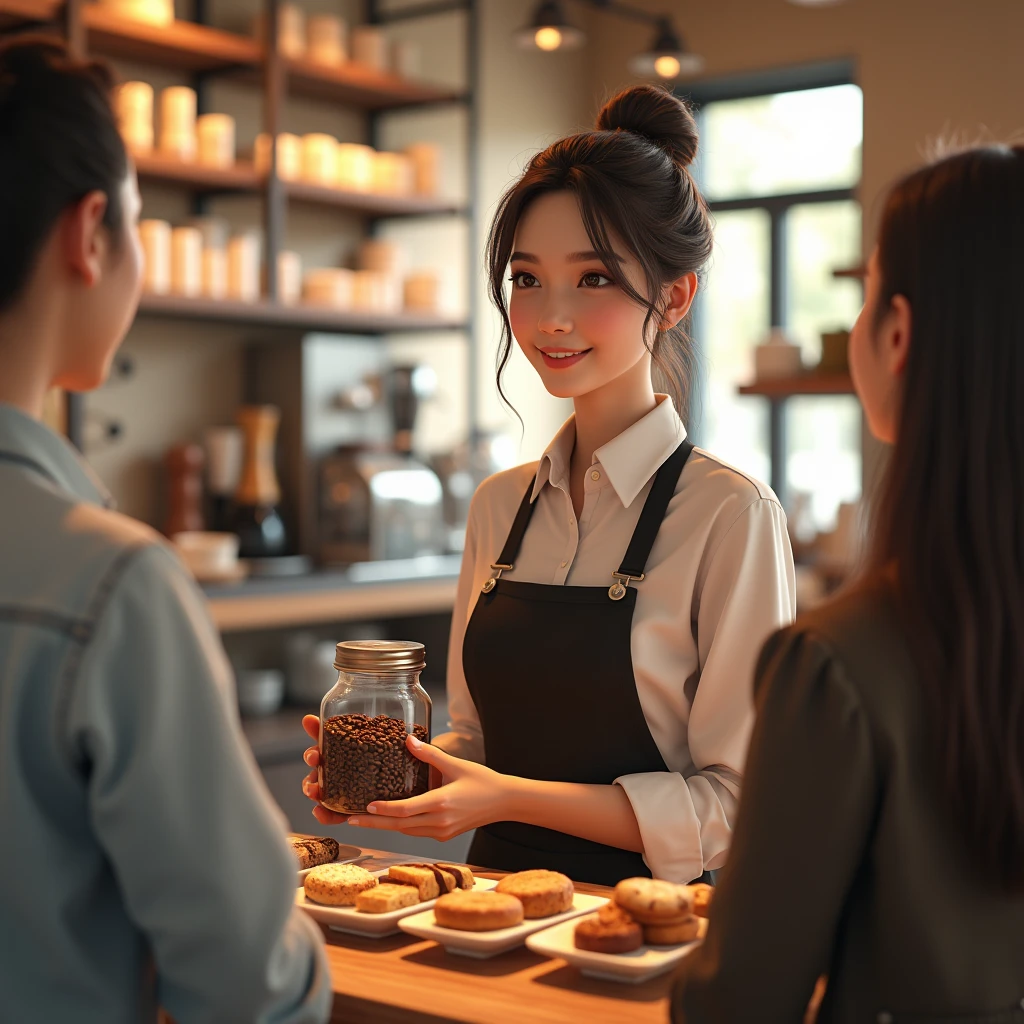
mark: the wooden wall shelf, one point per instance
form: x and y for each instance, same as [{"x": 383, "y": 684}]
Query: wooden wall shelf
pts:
[
  {"x": 360, "y": 86},
  {"x": 15, "y": 13},
  {"x": 300, "y": 317},
  {"x": 184, "y": 44},
  {"x": 808, "y": 384},
  {"x": 371, "y": 203},
  {"x": 240, "y": 178}
]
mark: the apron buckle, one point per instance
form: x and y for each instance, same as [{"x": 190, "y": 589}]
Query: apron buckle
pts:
[
  {"x": 617, "y": 591},
  {"x": 492, "y": 582}
]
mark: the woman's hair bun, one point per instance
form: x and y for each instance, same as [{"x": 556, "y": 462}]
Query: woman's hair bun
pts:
[{"x": 657, "y": 115}]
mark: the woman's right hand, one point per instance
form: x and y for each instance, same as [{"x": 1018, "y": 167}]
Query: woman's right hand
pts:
[{"x": 311, "y": 783}]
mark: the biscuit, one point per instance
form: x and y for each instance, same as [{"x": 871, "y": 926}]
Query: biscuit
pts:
[
  {"x": 615, "y": 936},
  {"x": 652, "y": 901},
  {"x": 313, "y": 851},
  {"x": 612, "y": 913},
  {"x": 478, "y": 911},
  {"x": 417, "y": 875},
  {"x": 672, "y": 934},
  {"x": 337, "y": 885},
  {"x": 383, "y": 899},
  {"x": 702, "y": 895},
  {"x": 542, "y": 893},
  {"x": 463, "y": 876}
]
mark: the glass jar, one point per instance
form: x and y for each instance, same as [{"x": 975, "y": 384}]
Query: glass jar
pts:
[{"x": 364, "y": 720}]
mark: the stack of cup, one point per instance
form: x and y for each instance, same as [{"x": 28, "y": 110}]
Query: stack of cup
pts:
[
  {"x": 214, "y": 231},
  {"x": 425, "y": 158},
  {"x": 244, "y": 267},
  {"x": 291, "y": 31},
  {"x": 353, "y": 166},
  {"x": 318, "y": 159},
  {"x": 392, "y": 174},
  {"x": 326, "y": 39},
  {"x": 155, "y": 236},
  {"x": 420, "y": 292},
  {"x": 329, "y": 286},
  {"x": 178, "y": 123},
  {"x": 135, "y": 116},
  {"x": 216, "y": 135},
  {"x": 187, "y": 262},
  {"x": 382, "y": 256},
  {"x": 289, "y": 156},
  {"x": 374, "y": 292},
  {"x": 289, "y": 277}
]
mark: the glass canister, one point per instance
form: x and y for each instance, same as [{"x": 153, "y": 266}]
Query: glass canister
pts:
[{"x": 364, "y": 720}]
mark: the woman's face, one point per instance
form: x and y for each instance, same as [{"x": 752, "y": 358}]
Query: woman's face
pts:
[
  {"x": 879, "y": 345},
  {"x": 574, "y": 324},
  {"x": 103, "y": 309}
]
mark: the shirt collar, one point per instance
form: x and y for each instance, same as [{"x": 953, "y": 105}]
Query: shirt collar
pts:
[
  {"x": 629, "y": 460},
  {"x": 29, "y": 442}
]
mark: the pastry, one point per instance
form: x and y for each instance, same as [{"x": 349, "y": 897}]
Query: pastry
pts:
[
  {"x": 382, "y": 899},
  {"x": 652, "y": 901},
  {"x": 702, "y": 896},
  {"x": 616, "y": 934},
  {"x": 337, "y": 885},
  {"x": 542, "y": 893},
  {"x": 313, "y": 851},
  {"x": 463, "y": 876},
  {"x": 478, "y": 911},
  {"x": 428, "y": 878},
  {"x": 672, "y": 934}
]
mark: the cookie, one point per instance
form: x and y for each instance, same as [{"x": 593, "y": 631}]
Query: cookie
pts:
[
  {"x": 428, "y": 878},
  {"x": 702, "y": 896},
  {"x": 612, "y": 913},
  {"x": 672, "y": 934},
  {"x": 463, "y": 876},
  {"x": 542, "y": 893},
  {"x": 652, "y": 901},
  {"x": 478, "y": 911},
  {"x": 313, "y": 851},
  {"x": 337, "y": 885},
  {"x": 383, "y": 899},
  {"x": 614, "y": 936}
]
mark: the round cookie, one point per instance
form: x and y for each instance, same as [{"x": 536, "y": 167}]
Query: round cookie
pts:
[
  {"x": 597, "y": 936},
  {"x": 337, "y": 885},
  {"x": 478, "y": 911},
  {"x": 542, "y": 893},
  {"x": 612, "y": 913},
  {"x": 653, "y": 901},
  {"x": 702, "y": 896},
  {"x": 672, "y": 934}
]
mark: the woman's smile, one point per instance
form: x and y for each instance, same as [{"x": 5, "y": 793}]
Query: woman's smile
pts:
[{"x": 562, "y": 358}]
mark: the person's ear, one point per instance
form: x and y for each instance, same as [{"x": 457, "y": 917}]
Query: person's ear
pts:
[
  {"x": 679, "y": 296},
  {"x": 85, "y": 239},
  {"x": 896, "y": 335}
]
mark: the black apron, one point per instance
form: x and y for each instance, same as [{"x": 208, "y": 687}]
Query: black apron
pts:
[{"x": 550, "y": 670}]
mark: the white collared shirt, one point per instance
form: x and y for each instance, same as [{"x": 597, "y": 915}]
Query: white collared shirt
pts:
[{"x": 719, "y": 581}]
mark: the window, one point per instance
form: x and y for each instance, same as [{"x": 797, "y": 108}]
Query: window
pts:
[{"x": 779, "y": 168}]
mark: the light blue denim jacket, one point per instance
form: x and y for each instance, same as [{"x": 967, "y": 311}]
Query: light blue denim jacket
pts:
[{"x": 142, "y": 860}]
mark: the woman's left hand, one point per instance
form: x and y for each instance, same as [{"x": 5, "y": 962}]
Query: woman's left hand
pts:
[{"x": 470, "y": 795}]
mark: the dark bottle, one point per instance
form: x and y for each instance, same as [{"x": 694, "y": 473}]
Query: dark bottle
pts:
[{"x": 257, "y": 520}]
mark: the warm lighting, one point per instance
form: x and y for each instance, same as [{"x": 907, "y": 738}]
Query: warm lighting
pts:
[
  {"x": 549, "y": 30},
  {"x": 668, "y": 57},
  {"x": 667, "y": 67},
  {"x": 548, "y": 38}
]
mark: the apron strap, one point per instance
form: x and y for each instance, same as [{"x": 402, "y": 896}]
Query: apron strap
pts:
[
  {"x": 510, "y": 552},
  {"x": 653, "y": 513}
]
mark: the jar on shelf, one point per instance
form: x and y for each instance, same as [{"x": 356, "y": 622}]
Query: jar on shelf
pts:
[{"x": 364, "y": 721}]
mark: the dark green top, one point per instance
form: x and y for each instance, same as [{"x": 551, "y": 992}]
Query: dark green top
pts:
[{"x": 845, "y": 859}]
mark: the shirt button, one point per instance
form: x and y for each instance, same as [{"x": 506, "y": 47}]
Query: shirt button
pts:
[
  {"x": 595, "y": 475},
  {"x": 564, "y": 564}
]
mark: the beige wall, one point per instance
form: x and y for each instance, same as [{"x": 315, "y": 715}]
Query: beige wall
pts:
[{"x": 188, "y": 376}]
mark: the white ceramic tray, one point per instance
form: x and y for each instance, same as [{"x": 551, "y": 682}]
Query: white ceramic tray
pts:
[
  {"x": 376, "y": 926},
  {"x": 346, "y": 854},
  {"x": 486, "y": 944},
  {"x": 631, "y": 968}
]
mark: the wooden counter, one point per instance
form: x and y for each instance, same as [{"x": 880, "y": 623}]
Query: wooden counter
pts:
[{"x": 402, "y": 978}]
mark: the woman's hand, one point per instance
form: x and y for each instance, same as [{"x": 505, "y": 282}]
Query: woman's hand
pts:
[
  {"x": 470, "y": 795},
  {"x": 311, "y": 783}
]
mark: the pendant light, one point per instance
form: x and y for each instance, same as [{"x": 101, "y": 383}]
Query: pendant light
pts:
[
  {"x": 667, "y": 57},
  {"x": 549, "y": 30}
]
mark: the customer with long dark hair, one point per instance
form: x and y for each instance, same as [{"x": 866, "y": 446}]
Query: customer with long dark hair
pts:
[
  {"x": 880, "y": 837},
  {"x": 141, "y": 857}
]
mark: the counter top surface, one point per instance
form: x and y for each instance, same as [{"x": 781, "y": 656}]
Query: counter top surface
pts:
[{"x": 383, "y": 981}]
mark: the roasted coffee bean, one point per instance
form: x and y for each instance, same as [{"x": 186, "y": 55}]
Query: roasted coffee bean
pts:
[{"x": 365, "y": 759}]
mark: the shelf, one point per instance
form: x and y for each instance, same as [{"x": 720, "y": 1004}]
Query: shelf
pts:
[
  {"x": 368, "y": 202},
  {"x": 362, "y": 86},
  {"x": 183, "y": 44},
  {"x": 858, "y": 273},
  {"x": 308, "y": 318},
  {"x": 240, "y": 178},
  {"x": 15, "y": 13},
  {"x": 809, "y": 384},
  {"x": 333, "y": 597}
]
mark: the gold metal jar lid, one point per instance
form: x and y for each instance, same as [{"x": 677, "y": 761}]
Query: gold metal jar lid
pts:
[{"x": 379, "y": 656}]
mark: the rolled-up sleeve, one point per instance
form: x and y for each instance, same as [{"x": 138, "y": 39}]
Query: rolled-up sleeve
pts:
[
  {"x": 177, "y": 803},
  {"x": 747, "y": 593},
  {"x": 811, "y": 794},
  {"x": 464, "y": 738}
]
